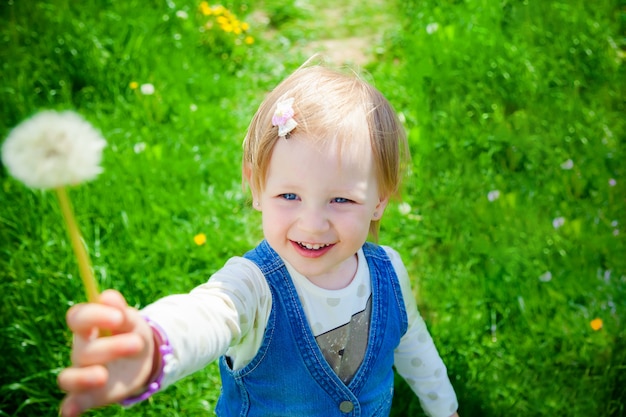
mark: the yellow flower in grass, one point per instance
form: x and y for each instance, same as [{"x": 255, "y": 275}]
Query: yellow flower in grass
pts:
[
  {"x": 199, "y": 239},
  {"x": 245, "y": 26},
  {"x": 249, "y": 40},
  {"x": 596, "y": 324},
  {"x": 133, "y": 85},
  {"x": 205, "y": 9}
]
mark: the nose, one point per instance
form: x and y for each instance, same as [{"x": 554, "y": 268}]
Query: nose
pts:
[{"x": 313, "y": 220}]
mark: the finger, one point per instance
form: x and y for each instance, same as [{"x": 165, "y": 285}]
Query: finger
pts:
[
  {"x": 132, "y": 319},
  {"x": 107, "y": 349},
  {"x": 82, "y": 379},
  {"x": 75, "y": 404},
  {"x": 69, "y": 407},
  {"x": 113, "y": 298},
  {"x": 83, "y": 318}
]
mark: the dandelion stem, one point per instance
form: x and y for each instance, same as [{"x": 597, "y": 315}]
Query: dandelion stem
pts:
[{"x": 84, "y": 264}]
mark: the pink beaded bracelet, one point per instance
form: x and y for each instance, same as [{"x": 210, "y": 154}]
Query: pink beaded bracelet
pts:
[{"x": 166, "y": 350}]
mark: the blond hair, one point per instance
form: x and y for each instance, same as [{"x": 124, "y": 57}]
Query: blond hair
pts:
[{"x": 331, "y": 106}]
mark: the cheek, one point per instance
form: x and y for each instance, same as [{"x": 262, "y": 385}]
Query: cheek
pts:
[
  {"x": 354, "y": 222},
  {"x": 273, "y": 218}
]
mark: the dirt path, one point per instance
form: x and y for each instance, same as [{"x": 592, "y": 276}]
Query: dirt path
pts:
[{"x": 346, "y": 32}]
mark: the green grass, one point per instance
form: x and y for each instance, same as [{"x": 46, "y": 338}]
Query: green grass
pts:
[{"x": 498, "y": 96}]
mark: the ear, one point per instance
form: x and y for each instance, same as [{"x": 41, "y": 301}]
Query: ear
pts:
[
  {"x": 246, "y": 172},
  {"x": 380, "y": 209}
]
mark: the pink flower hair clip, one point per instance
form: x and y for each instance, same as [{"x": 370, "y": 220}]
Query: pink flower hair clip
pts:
[{"x": 283, "y": 117}]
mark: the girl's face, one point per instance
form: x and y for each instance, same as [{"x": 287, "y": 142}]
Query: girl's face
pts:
[{"x": 317, "y": 205}]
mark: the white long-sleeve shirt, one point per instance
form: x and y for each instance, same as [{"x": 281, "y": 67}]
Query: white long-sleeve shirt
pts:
[{"x": 228, "y": 314}]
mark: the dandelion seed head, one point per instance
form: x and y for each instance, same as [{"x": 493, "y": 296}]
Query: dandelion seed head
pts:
[{"x": 53, "y": 149}]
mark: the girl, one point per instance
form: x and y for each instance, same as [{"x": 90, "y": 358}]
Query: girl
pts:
[{"x": 311, "y": 321}]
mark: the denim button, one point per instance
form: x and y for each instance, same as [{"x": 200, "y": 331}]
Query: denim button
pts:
[{"x": 346, "y": 406}]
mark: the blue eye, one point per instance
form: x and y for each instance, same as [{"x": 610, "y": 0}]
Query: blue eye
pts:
[
  {"x": 341, "y": 200},
  {"x": 289, "y": 196}
]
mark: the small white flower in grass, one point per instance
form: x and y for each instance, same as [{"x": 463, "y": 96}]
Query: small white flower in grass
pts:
[
  {"x": 493, "y": 195},
  {"x": 139, "y": 147},
  {"x": 181, "y": 14},
  {"x": 558, "y": 222},
  {"x": 432, "y": 28},
  {"x": 567, "y": 165},
  {"x": 193, "y": 107},
  {"x": 404, "y": 208},
  {"x": 147, "y": 89},
  {"x": 612, "y": 182},
  {"x": 545, "y": 277},
  {"x": 53, "y": 149}
]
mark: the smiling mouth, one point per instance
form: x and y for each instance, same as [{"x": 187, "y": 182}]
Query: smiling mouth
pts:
[{"x": 313, "y": 246}]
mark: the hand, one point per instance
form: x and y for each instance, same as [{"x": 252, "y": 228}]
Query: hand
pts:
[{"x": 106, "y": 369}]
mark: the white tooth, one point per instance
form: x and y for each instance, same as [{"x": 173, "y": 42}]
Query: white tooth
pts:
[{"x": 312, "y": 246}]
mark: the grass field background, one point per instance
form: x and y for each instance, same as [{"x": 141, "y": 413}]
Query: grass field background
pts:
[{"x": 512, "y": 218}]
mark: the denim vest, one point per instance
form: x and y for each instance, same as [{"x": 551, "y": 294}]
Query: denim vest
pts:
[{"x": 289, "y": 375}]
